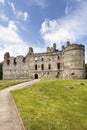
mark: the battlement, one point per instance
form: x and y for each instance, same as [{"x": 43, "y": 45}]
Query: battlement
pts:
[
  {"x": 6, "y": 55},
  {"x": 72, "y": 46},
  {"x": 52, "y": 49}
]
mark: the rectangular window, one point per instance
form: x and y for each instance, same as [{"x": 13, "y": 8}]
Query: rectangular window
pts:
[
  {"x": 58, "y": 65},
  {"x": 36, "y": 67},
  {"x": 49, "y": 66},
  {"x": 42, "y": 67}
]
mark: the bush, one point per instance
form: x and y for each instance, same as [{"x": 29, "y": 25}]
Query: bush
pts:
[{"x": 1, "y": 73}]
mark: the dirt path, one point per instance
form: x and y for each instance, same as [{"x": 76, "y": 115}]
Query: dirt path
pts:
[{"x": 9, "y": 119}]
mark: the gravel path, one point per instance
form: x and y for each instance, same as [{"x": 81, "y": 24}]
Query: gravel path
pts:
[{"x": 9, "y": 119}]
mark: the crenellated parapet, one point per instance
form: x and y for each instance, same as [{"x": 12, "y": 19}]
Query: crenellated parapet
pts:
[
  {"x": 73, "y": 46},
  {"x": 52, "y": 49}
]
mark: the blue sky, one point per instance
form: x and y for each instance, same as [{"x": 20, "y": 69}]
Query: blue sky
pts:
[{"x": 40, "y": 23}]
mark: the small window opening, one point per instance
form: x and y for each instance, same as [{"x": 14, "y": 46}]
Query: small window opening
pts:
[
  {"x": 42, "y": 59},
  {"x": 15, "y": 62},
  {"x": 49, "y": 66},
  {"x": 58, "y": 65},
  {"x": 58, "y": 57},
  {"x": 24, "y": 60},
  {"x": 36, "y": 67},
  {"x": 8, "y": 62},
  {"x": 72, "y": 73},
  {"x": 42, "y": 67}
]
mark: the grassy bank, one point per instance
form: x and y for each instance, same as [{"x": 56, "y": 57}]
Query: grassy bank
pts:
[
  {"x": 54, "y": 105},
  {"x": 7, "y": 83}
]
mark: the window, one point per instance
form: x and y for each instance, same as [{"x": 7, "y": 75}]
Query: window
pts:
[
  {"x": 42, "y": 67},
  {"x": 72, "y": 73},
  {"x": 36, "y": 67},
  {"x": 24, "y": 60},
  {"x": 58, "y": 57},
  {"x": 42, "y": 59},
  {"x": 49, "y": 66},
  {"x": 15, "y": 62},
  {"x": 58, "y": 65},
  {"x": 8, "y": 62}
]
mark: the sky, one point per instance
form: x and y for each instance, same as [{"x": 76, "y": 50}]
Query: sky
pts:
[{"x": 40, "y": 23}]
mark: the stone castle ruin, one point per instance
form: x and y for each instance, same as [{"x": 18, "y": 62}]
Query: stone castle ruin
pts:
[{"x": 69, "y": 63}]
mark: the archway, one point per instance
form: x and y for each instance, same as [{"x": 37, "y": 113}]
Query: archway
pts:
[{"x": 36, "y": 76}]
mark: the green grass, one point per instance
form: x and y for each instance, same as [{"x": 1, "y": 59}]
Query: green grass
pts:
[
  {"x": 7, "y": 83},
  {"x": 53, "y": 105}
]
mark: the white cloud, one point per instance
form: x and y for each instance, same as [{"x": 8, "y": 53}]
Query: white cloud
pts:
[
  {"x": 2, "y": 2},
  {"x": 68, "y": 9},
  {"x": 75, "y": 0},
  {"x": 12, "y": 26},
  {"x": 40, "y": 3},
  {"x": 13, "y": 7},
  {"x": 11, "y": 41},
  {"x": 4, "y": 18},
  {"x": 19, "y": 14},
  {"x": 71, "y": 27},
  {"x": 25, "y": 16}
]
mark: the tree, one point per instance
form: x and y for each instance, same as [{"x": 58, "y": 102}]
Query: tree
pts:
[
  {"x": 1, "y": 73},
  {"x": 86, "y": 70}
]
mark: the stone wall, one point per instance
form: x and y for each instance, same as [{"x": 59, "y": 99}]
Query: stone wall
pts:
[{"x": 69, "y": 63}]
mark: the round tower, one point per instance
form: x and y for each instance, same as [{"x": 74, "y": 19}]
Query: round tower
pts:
[{"x": 74, "y": 61}]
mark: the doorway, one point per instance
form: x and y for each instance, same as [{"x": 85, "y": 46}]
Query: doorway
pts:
[{"x": 36, "y": 76}]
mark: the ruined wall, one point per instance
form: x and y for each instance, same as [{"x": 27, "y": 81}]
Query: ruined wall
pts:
[
  {"x": 15, "y": 68},
  {"x": 46, "y": 65}
]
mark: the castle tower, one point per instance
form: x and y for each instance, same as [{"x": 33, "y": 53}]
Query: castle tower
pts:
[
  {"x": 54, "y": 46},
  {"x": 74, "y": 61}
]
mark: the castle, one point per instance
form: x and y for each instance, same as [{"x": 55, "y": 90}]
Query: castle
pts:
[{"x": 69, "y": 63}]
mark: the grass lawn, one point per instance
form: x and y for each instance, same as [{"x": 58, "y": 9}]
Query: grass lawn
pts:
[
  {"x": 53, "y": 105},
  {"x": 7, "y": 83}
]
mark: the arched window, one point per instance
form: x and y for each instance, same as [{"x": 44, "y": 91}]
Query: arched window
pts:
[
  {"x": 42, "y": 67},
  {"x": 49, "y": 66},
  {"x": 35, "y": 66}
]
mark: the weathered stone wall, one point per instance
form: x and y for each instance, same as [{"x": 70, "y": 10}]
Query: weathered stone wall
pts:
[
  {"x": 69, "y": 63},
  {"x": 74, "y": 61}
]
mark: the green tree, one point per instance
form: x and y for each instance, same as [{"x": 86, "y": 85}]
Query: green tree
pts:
[
  {"x": 1, "y": 73},
  {"x": 86, "y": 70}
]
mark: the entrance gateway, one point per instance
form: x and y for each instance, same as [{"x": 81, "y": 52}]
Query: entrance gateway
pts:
[{"x": 36, "y": 76}]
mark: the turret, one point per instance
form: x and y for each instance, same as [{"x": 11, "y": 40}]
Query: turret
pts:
[
  {"x": 30, "y": 50},
  {"x": 6, "y": 55},
  {"x": 54, "y": 47},
  {"x": 74, "y": 61}
]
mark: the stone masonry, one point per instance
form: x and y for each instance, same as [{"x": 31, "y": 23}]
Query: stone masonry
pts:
[{"x": 69, "y": 63}]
